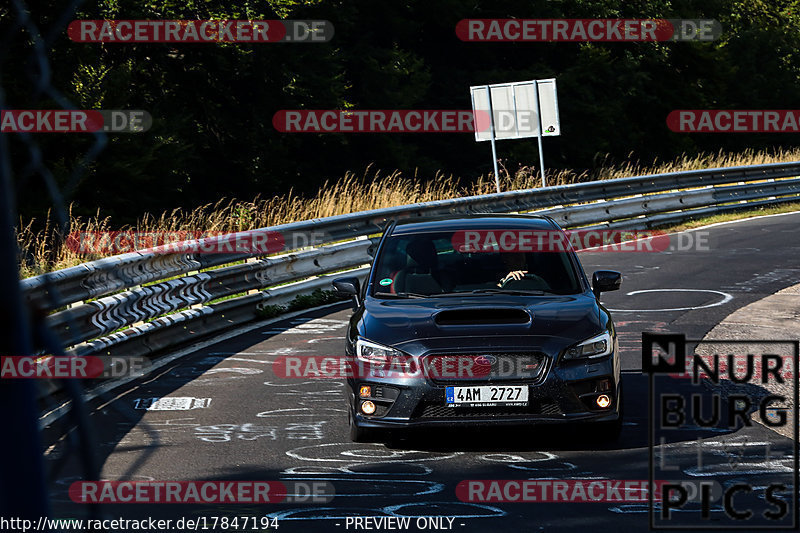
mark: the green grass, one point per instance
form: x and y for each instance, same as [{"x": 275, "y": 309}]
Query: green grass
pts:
[
  {"x": 303, "y": 301},
  {"x": 38, "y": 239},
  {"x": 727, "y": 217}
]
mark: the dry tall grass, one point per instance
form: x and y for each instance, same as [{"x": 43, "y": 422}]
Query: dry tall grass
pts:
[{"x": 352, "y": 193}]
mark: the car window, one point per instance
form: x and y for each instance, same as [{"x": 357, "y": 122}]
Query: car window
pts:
[{"x": 430, "y": 263}]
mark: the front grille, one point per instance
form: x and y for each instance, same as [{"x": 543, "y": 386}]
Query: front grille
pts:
[
  {"x": 437, "y": 410},
  {"x": 483, "y": 367},
  {"x": 550, "y": 408}
]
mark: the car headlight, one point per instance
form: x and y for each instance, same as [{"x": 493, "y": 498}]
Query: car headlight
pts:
[
  {"x": 597, "y": 346},
  {"x": 383, "y": 356}
]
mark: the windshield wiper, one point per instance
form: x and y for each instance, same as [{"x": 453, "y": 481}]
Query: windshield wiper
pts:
[
  {"x": 417, "y": 295},
  {"x": 516, "y": 292},
  {"x": 401, "y": 294}
]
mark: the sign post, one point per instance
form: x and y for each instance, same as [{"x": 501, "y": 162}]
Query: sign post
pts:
[
  {"x": 539, "y": 137},
  {"x": 516, "y": 110},
  {"x": 494, "y": 149}
]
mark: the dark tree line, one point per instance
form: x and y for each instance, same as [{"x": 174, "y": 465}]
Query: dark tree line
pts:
[{"x": 212, "y": 104}]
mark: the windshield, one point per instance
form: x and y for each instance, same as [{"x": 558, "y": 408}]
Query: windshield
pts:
[{"x": 436, "y": 263}]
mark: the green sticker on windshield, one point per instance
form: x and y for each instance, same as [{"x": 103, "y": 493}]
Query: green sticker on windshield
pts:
[{"x": 386, "y": 281}]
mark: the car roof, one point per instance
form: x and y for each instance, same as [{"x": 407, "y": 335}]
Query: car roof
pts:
[{"x": 472, "y": 221}]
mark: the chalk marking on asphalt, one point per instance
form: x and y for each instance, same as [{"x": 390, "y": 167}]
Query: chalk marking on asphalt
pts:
[
  {"x": 299, "y": 412},
  {"x": 61, "y": 410},
  {"x": 725, "y": 299},
  {"x": 236, "y": 370},
  {"x": 293, "y": 383},
  {"x": 249, "y": 360},
  {"x": 564, "y": 466},
  {"x": 511, "y": 458},
  {"x": 341, "y": 514},
  {"x": 315, "y": 320},
  {"x": 424, "y": 469},
  {"x": 279, "y": 351},
  {"x": 515, "y": 461},
  {"x": 317, "y": 392},
  {"x": 171, "y": 403},
  {"x": 433, "y": 487},
  {"x": 226, "y": 432},
  {"x": 294, "y": 331},
  {"x": 736, "y": 441},
  {"x": 296, "y": 383},
  {"x": 321, "y": 339},
  {"x": 308, "y": 470},
  {"x": 751, "y": 468},
  {"x": 397, "y": 456},
  {"x": 289, "y": 514},
  {"x": 578, "y": 476},
  {"x": 645, "y": 508},
  {"x": 314, "y": 326},
  {"x": 497, "y": 511}
]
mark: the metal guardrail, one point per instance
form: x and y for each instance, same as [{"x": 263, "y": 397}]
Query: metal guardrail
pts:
[{"x": 181, "y": 299}]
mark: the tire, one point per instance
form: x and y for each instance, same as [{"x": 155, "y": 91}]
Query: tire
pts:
[
  {"x": 609, "y": 432},
  {"x": 357, "y": 434}
]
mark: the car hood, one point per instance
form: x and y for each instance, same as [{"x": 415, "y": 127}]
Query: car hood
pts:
[{"x": 497, "y": 322}]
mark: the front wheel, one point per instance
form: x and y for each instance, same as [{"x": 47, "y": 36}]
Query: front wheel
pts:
[
  {"x": 610, "y": 431},
  {"x": 357, "y": 434}
]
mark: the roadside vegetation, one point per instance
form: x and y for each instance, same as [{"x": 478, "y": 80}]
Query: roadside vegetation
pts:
[
  {"x": 727, "y": 217},
  {"x": 303, "y": 301},
  {"x": 41, "y": 252}
]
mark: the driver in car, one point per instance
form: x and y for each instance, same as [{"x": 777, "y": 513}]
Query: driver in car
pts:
[{"x": 515, "y": 263}]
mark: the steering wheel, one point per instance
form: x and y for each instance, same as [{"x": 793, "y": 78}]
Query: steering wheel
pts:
[{"x": 529, "y": 281}]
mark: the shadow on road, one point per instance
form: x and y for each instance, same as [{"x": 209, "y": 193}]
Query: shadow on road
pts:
[{"x": 577, "y": 436}]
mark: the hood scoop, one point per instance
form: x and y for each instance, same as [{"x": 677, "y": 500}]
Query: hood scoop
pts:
[{"x": 481, "y": 316}]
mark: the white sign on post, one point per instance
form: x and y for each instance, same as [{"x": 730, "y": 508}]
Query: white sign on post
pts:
[{"x": 515, "y": 111}]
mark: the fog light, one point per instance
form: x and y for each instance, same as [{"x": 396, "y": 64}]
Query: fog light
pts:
[
  {"x": 367, "y": 407},
  {"x": 603, "y": 401},
  {"x": 365, "y": 391}
]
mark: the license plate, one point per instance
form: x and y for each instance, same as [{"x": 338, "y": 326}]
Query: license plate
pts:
[{"x": 487, "y": 396}]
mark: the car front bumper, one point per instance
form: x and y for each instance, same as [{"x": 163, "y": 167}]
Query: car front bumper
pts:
[{"x": 566, "y": 393}]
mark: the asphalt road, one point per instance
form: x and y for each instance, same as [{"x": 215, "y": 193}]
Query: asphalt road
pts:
[{"x": 246, "y": 423}]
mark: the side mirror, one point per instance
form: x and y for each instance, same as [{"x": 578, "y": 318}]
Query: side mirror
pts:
[
  {"x": 350, "y": 287},
  {"x": 605, "y": 280}
]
